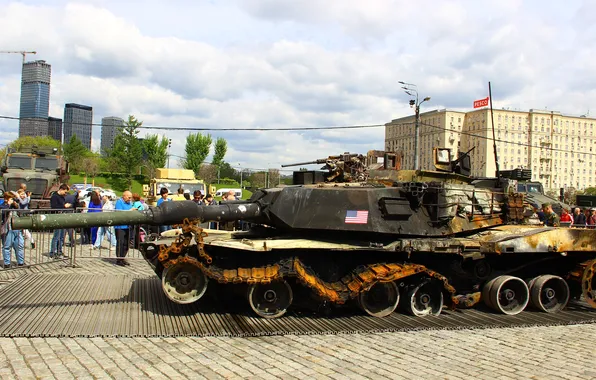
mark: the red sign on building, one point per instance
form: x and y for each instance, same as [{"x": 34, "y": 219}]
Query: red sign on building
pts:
[{"x": 481, "y": 103}]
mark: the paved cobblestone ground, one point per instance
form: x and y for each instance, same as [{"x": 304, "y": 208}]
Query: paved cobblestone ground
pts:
[{"x": 563, "y": 352}]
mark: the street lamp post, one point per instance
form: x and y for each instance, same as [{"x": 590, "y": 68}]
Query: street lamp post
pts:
[
  {"x": 241, "y": 170},
  {"x": 411, "y": 90},
  {"x": 169, "y": 146}
]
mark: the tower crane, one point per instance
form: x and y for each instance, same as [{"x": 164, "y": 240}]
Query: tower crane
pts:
[{"x": 23, "y": 53}]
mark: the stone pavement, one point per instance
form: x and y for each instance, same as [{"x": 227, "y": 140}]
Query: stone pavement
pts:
[{"x": 562, "y": 352}]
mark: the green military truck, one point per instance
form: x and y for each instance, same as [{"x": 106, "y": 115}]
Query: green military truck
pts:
[{"x": 42, "y": 169}]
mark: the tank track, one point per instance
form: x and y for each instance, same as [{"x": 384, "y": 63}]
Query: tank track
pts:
[{"x": 338, "y": 292}]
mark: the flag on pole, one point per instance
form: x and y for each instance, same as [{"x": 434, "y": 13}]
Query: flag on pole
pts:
[{"x": 481, "y": 103}]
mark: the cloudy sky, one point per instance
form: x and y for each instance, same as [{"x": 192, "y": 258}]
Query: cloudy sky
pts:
[{"x": 280, "y": 64}]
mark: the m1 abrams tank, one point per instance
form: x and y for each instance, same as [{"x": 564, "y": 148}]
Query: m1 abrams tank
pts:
[{"x": 371, "y": 235}]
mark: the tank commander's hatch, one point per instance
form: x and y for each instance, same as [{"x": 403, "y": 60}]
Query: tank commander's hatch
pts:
[{"x": 443, "y": 163}]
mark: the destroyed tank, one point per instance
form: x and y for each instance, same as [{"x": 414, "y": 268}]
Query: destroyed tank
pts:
[{"x": 370, "y": 235}]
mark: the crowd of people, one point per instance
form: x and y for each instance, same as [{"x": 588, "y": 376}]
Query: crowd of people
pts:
[
  {"x": 119, "y": 238},
  {"x": 585, "y": 218}
]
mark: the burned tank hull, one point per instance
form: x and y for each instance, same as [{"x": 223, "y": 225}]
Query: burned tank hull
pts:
[
  {"x": 417, "y": 241},
  {"x": 419, "y": 275}
]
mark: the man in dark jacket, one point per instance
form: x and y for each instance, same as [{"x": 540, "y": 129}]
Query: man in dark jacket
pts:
[
  {"x": 57, "y": 203},
  {"x": 73, "y": 199},
  {"x": 579, "y": 219}
]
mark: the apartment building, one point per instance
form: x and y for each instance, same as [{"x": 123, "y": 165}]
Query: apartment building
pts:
[
  {"x": 437, "y": 128},
  {"x": 559, "y": 149}
]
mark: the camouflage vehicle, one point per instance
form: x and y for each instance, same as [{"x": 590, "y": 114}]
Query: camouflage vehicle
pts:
[
  {"x": 369, "y": 235},
  {"x": 41, "y": 169},
  {"x": 171, "y": 179},
  {"x": 533, "y": 190}
]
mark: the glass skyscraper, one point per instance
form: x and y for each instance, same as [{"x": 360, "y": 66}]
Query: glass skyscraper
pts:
[
  {"x": 109, "y": 130},
  {"x": 35, "y": 98},
  {"x": 55, "y": 128},
  {"x": 77, "y": 121}
]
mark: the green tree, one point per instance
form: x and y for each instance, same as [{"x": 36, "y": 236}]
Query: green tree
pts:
[
  {"x": 157, "y": 153},
  {"x": 75, "y": 153},
  {"x": 38, "y": 141},
  {"x": 197, "y": 150},
  {"x": 221, "y": 147},
  {"x": 128, "y": 150},
  {"x": 109, "y": 163},
  {"x": 208, "y": 173},
  {"x": 91, "y": 165},
  {"x": 226, "y": 171}
]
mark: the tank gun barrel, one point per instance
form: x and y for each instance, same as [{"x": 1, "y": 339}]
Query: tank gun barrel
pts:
[
  {"x": 344, "y": 157},
  {"x": 319, "y": 161},
  {"x": 167, "y": 213}
]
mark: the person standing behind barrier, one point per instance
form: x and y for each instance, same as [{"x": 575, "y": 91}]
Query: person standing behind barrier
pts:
[
  {"x": 134, "y": 231},
  {"x": 552, "y": 219},
  {"x": 11, "y": 238},
  {"x": 592, "y": 219},
  {"x": 164, "y": 192},
  {"x": 73, "y": 199},
  {"x": 179, "y": 195},
  {"x": 94, "y": 206},
  {"x": 566, "y": 217},
  {"x": 58, "y": 202},
  {"x": 108, "y": 206},
  {"x": 197, "y": 197},
  {"x": 24, "y": 201},
  {"x": 579, "y": 219},
  {"x": 123, "y": 232}
]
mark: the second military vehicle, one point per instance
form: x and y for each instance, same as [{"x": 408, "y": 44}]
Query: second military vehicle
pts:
[
  {"x": 42, "y": 169},
  {"x": 172, "y": 179},
  {"x": 370, "y": 235}
]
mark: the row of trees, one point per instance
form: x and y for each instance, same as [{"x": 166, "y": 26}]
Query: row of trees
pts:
[{"x": 131, "y": 156}]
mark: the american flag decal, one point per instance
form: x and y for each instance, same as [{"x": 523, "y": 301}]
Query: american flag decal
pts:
[{"x": 356, "y": 217}]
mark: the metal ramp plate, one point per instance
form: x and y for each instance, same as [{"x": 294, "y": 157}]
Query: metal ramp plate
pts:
[{"x": 87, "y": 305}]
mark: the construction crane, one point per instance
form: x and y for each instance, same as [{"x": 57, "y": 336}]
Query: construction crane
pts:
[{"x": 24, "y": 53}]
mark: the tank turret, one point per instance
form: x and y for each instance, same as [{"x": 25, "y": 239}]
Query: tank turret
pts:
[{"x": 414, "y": 208}]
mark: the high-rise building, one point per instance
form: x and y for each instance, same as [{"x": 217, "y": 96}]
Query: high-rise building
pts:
[
  {"x": 559, "y": 149},
  {"x": 35, "y": 99},
  {"x": 55, "y": 128},
  {"x": 78, "y": 120},
  {"x": 109, "y": 130}
]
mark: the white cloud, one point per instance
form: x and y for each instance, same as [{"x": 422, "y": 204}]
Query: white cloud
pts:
[{"x": 271, "y": 64}]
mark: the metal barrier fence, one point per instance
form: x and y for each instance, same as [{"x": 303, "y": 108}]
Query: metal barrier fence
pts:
[{"x": 33, "y": 248}]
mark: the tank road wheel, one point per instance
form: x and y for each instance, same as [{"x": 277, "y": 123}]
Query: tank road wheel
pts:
[
  {"x": 424, "y": 299},
  {"x": 270, "y": 300},
  {"x": 183, "y": 283},
  {"x": 379, "y": 300},
  {"x": 506, "y": 294},
  {"x": 589, "y": 284},
  {"x": 549, "y": 293}
]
